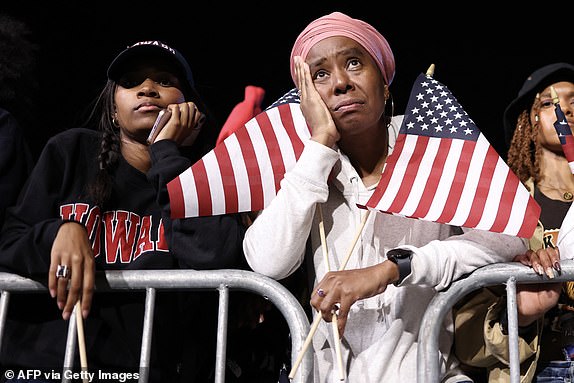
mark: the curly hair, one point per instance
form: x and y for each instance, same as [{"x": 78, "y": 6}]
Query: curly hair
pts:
[{"x": 525, "y": 149}]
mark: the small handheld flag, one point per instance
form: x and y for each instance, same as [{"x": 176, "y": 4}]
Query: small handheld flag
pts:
[
  {"x": 442, "y": 169},
  {"x": 563, "y": 130},
  {"x": 243, "y": 172}
]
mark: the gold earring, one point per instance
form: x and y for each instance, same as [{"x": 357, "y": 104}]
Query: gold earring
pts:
[
  {"x": 115, "y": 122},
  {"x": 536, "y": 118}
]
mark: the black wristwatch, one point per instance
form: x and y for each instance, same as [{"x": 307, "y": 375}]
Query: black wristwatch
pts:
[{"x": 402, "y": 258}]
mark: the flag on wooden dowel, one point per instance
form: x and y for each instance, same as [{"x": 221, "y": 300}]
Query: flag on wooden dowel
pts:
[{"x": 563, "y": 130}]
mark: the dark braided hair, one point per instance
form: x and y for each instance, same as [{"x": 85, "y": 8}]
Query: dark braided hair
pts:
[
  {"x": 100, "y": 188},
  {"x": 525, "y": 150}
]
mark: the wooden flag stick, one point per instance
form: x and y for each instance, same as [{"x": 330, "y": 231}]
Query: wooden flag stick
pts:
[
  {"x": 355, "y": 239},
  {"x": 338, "y": 353},
  {"x": 81, "y": 340},
  {"x": 334, "y": 321},
  {"x": 323, "y": 238},
  {"x": 317, "y": 319},
  {"x": 430, "y": 70},
  {"x": 554, "y": 95},
  {"x": 306, "y": 344}
]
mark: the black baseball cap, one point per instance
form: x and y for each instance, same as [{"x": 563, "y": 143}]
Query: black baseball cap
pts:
[
  {"x": 536, "y": 82},
  {"x": 146, "y": 49}
]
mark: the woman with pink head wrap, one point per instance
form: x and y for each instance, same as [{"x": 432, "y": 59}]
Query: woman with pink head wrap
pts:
[{"x": 379, "y": 288}]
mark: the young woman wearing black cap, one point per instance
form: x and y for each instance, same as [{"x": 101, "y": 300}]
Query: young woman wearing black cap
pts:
[
  {"x": 97, "y": 200},
  {"x": 545, "y": 327}
]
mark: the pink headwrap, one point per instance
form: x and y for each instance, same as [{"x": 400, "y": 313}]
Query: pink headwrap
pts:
[{"x": 339, "y": 24}]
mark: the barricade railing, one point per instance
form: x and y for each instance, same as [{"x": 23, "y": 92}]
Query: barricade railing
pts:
[
  {"x": 508, "y": 274},
  {"x": 152, "y": 280}
]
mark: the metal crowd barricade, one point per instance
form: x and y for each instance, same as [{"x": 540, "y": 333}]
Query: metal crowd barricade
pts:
[
  {"x": 153, "y": 280},
  {"x": 509, "y": 274}
]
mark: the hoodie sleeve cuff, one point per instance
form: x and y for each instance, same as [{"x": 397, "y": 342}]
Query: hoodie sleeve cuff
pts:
[{"x": 315, "y": 163}]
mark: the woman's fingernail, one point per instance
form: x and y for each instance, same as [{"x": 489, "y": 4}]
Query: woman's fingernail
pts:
[
  {"x": 557, "y": 266},
  {"x": 550, "y": 272},
  {"x": 539, "y": 270},
  {"x": 61, "y": 305},
  {"x": 66, "y": 315},
  {"x": 85, "y": 314},
  {"x": 53, "y": 293}
]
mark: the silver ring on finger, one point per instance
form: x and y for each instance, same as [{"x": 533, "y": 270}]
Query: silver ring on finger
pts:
[{"x": 63, "y": 271}]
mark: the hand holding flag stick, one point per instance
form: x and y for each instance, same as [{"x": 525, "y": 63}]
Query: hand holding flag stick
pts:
[{"x": 317, "y": 319}]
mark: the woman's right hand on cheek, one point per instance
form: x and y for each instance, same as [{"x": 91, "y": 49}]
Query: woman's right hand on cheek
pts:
[
  {"x": 72, "y": 248},
  {"x": 316, "y": 112},
  {"x": 184, "y": 125}
]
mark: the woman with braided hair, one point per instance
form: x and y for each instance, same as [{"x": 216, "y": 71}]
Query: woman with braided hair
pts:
[
  {"x": 545, "y": 311},
  {"x": 97, "y": 200}
]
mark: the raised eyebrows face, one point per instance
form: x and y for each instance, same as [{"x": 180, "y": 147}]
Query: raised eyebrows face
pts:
[{"x": 349, "y": 82}]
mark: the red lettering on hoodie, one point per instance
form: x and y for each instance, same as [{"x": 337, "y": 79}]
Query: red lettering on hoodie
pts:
[
  {"x": 120, "y": 229},
  {"x": 126, "y": 234}
]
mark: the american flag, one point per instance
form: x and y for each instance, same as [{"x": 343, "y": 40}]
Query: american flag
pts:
[
  {"x": 243, "y": 173},
  {"x": 565, "y": 135},
  {"x": 442, "y": 169}
]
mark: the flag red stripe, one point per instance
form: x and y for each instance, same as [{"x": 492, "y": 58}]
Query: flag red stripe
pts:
[
  {"x": 203, "y": 190},
  {"x": 176, "y": 199},
  {"x": 252, "y": 167},
  {"x": 458, "y": 182},
  {"x": 287, "y": 120},
  {"x": 272, "y": 148},
  {"x": 529, "y": 223},
  {"x": 568, "y": 148},
  {"x": 434, "y": 179},
  {"x": 506, "y": 200},
  {"x": 482, "y": 188},
  {"x": 386, "y": 176},
  {"x": 227, "y": 178},
  {"x": 410, "y": 174}
]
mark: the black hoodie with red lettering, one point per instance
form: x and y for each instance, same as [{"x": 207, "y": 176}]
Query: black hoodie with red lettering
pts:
[{"x": 132, "y": 231}]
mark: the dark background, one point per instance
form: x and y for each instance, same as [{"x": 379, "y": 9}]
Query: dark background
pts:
[{"x": 482, "y": 53}]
